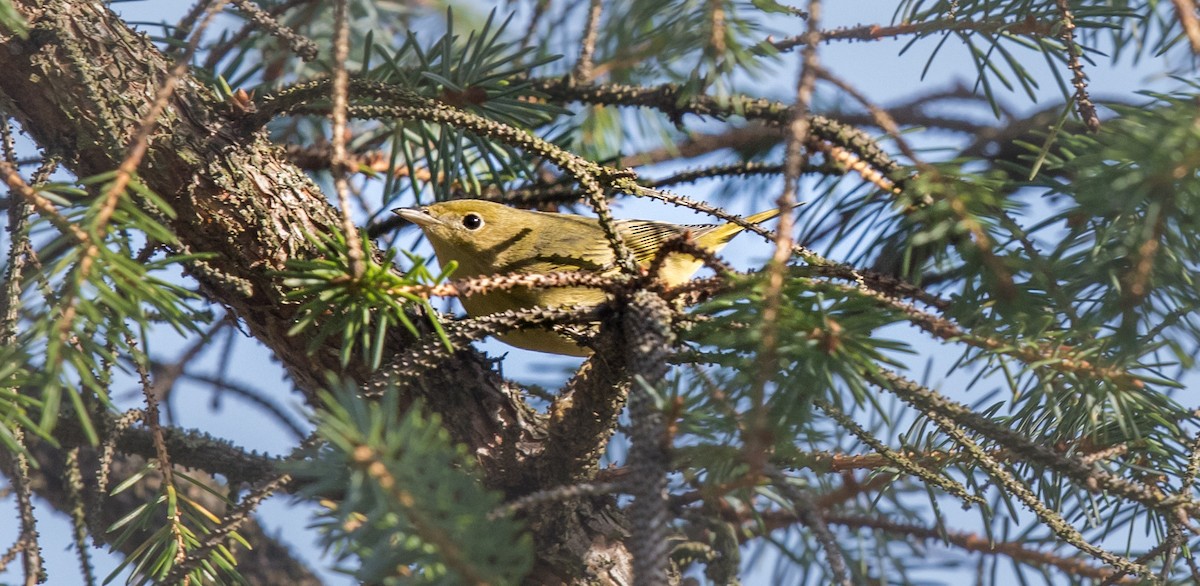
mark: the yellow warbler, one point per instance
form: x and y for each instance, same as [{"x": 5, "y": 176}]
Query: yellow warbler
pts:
[{"x": 487, "y": 238}]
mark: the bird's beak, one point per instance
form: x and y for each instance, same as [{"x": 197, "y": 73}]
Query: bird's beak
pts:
[{"x": 417, "y": 216}]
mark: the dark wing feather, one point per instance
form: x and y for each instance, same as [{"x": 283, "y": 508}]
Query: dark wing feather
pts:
[
  {"x": 578, "y": 243},
  {"x": 645, "y": 238}
]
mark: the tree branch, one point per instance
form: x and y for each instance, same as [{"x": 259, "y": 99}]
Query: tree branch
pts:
[{"x": 239, "y": 200}]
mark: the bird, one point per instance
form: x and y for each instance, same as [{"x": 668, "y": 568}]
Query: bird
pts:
[{"x": 487, "y": 238}]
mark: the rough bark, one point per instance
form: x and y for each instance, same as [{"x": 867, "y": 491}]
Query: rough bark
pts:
[{"x": 80, "y": 84}]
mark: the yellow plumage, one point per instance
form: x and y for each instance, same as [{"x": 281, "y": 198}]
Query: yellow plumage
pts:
[{"x": 487, "y": 238}]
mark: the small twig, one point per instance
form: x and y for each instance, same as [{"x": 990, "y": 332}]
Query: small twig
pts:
[
  {"x": 716, "y": 48},
  {"x": 108, "y": 448},
  {"x": 304, "y": 48},
  {"x": 183, "y": 28},
  {"x": 11, "y": 553},
  {"x": 489, "y": 283},
  {"x": 17, "y": 185},
  {"x": 674, "y": 102},
  {"x": 797, "y": 154},
  {"x": 431, "y": 351},
  {"x": 1186, "y": 10},
  {"x": 1010, "y": 484},
  {"x": 1018, "y": 551},
  {"x": 682, "y": 244},
  {"x": 1083, "y": 102},
  {"x": 18, "y": 229},
  {"x": 318, "y": 157},
  {"x": 31, "y": 550},
  {"x": 79, "y": 515},
  {"x": 273, "y": 27},
  {"x": 898, "y": 458},
  {"x": 852, "y": 487},
  {"x": 229, "y": 523},
  {"x": 847, "y": 159},
  {"x": 1094, "y": 479},
  {"x": 810, "y": 515},
  {"x": 1193, "y": 468},
  {"x": 878, "y": 114},
  {"x": 1166, "y": 546},
  {"x": 880, "y": 283},
  {"x": 587, "y": 47},
  {"x": 755, "y": 137},
  {"x": 1053, "y": 355},
  {"x": 875, "y": 32},
  {"x": 8, "y": 143},
  {"x": 535, "y": 19},
  {"x": 160, "y": 446},
  {"x": 338, "y": 160}
]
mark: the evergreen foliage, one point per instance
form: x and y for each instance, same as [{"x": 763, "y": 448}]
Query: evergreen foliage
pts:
[
  {"x": 971, "y": 360},
  {"x": 414, "y": 512}
]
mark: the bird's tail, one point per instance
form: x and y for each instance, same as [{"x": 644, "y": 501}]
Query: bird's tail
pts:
[{"x": 720, "y": 235}]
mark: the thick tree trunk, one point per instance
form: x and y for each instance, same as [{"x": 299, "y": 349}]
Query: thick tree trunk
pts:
[{"x": 79, "y": 86}]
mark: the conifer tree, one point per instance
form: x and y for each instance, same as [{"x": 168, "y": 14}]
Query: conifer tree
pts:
[{"x": 957, "y": 363}]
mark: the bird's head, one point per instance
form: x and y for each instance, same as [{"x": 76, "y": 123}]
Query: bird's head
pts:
[{"x": 473, "y": 232}]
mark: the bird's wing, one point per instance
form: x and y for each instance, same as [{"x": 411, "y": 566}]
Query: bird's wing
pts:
[
  {"x": 644, "y": 238},
  {"x": 579, "y": 244}
]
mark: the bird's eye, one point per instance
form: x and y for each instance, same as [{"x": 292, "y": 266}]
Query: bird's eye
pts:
[{"x": 472, "y": 221}]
